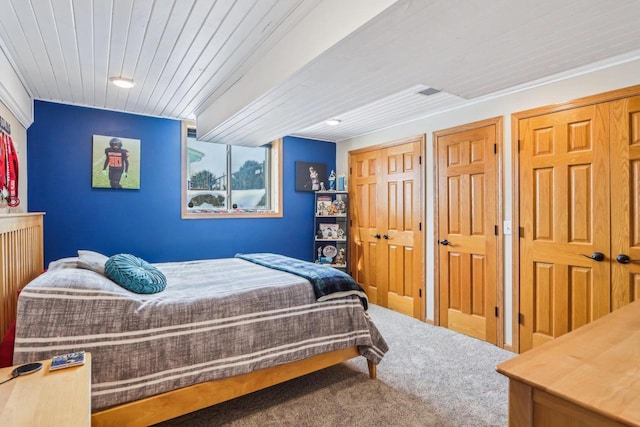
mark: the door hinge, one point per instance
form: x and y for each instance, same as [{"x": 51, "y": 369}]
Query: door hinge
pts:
[
  {"x": 350, "y": 223},
  {"x": 521, "y": 318},
  {"x": 420, "y": 293},
  {"x": 497, "y": 311},
  {"x": 419, "y": 226},
  {"x": 350, "y": 171},
  {"x": 518, "y": 145},
  {"x": 495, "y": 230},
  {"x": 419, "y": 160},
  {"x": 521, "y": 232},
  {"x": 495, "y": 148}
]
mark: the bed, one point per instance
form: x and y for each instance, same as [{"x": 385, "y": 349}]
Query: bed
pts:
[{"x": 222, "y": 328}]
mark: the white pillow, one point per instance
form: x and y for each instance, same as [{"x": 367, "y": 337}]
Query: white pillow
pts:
[
  {"x": 71, "y": 262},
  {"x": 93, "y": 261}
]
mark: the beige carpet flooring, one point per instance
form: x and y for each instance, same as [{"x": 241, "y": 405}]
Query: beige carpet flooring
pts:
[{"x": 431, "y": 376}]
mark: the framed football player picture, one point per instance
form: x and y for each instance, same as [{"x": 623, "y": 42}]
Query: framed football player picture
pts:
[{"x": 116, "y": 162}]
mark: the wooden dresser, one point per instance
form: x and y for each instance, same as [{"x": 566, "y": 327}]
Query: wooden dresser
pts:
[{"x": 588, "y": 377}]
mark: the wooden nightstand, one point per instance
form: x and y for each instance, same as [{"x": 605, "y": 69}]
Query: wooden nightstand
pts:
[{"x": 43, "y": 398}]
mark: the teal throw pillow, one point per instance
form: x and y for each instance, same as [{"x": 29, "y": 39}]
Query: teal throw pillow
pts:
[{"x": 135, "y": 274}]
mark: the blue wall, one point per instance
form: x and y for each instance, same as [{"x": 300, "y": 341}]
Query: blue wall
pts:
[{"x": 147, "y": 222}]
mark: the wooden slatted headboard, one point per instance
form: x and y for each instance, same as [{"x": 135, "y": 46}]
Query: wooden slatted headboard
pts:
[{"x": 21, "y": 260}]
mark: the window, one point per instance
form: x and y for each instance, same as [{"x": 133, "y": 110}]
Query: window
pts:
[{"x": 222, "y": 181}]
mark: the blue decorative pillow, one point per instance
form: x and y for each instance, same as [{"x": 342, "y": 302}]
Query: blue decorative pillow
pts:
[{"x": 135, "y": 274}]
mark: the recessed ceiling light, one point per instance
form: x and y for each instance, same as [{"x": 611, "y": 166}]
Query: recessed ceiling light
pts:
[
  {"x": 333, "y": 122},
  {"x": 122, "y": 82}
]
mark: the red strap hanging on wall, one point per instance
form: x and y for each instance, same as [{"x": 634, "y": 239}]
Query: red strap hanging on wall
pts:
[
  {"x": 3, "y": 168},
  {"x": 11, "y": 171}
]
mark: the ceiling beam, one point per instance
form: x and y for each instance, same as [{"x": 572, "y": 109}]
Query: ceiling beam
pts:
[{"x": 327, "y": 24}]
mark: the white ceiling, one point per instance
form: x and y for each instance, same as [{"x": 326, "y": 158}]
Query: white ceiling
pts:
[{"x": 253, "y": 70}]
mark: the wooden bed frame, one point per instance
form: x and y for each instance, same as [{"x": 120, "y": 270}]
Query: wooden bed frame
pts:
[{"x": 171, "y": 404}]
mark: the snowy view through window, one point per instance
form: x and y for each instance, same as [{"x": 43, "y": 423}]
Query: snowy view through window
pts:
[{"x": 210, "y": 186}]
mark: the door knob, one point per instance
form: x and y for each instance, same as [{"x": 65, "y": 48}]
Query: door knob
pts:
[
  {"x": 377, "y": 235},
  {"x": 596, "y": 256},
  {"x": 385, "y": 236},
  {"x": 444, "y": 242},
  {"x": 624, "y": 259}
]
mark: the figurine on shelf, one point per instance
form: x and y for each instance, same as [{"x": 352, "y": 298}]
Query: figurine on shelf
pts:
[
  {"x": 319, "y": 253},
  {"x": 339, "y": 259},
  {"x": 332, "y": 181},
  {"x": 340, "y": 206},
  {"x": 332, "y": 209},
  {"x": 322, "y": 188}
]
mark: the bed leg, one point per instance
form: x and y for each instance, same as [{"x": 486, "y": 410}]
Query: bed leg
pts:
[{"x": 372, "y": 369}]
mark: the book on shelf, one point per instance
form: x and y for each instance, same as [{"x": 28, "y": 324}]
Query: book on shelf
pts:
[
  {"x": 67, "y": 360},
  {"x": 323, "y": 204}
]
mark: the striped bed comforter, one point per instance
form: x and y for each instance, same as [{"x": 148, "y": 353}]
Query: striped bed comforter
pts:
[{"x": 216, "y": 319}]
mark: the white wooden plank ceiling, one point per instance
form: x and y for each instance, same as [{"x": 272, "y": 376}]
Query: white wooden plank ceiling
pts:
[{"x": 225, "y": 61}]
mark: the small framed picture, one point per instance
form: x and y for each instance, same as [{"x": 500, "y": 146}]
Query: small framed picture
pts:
[
  {"x": 310, "y": 176},
  {"x": 115, "y": 162}
]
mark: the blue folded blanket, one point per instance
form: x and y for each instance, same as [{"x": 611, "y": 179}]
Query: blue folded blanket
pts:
[{"x": 328, "y": 282}]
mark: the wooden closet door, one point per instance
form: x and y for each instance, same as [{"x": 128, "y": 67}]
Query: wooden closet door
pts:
[
  {"x": 625, "y": 200},
  {"x": 400, "y": 210},
  {"x": 387, "y": 242},
  {"x": 364, "y": 185},
  {"x": 467, "y": 218},
  {"x": 565, "y": 218}
]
